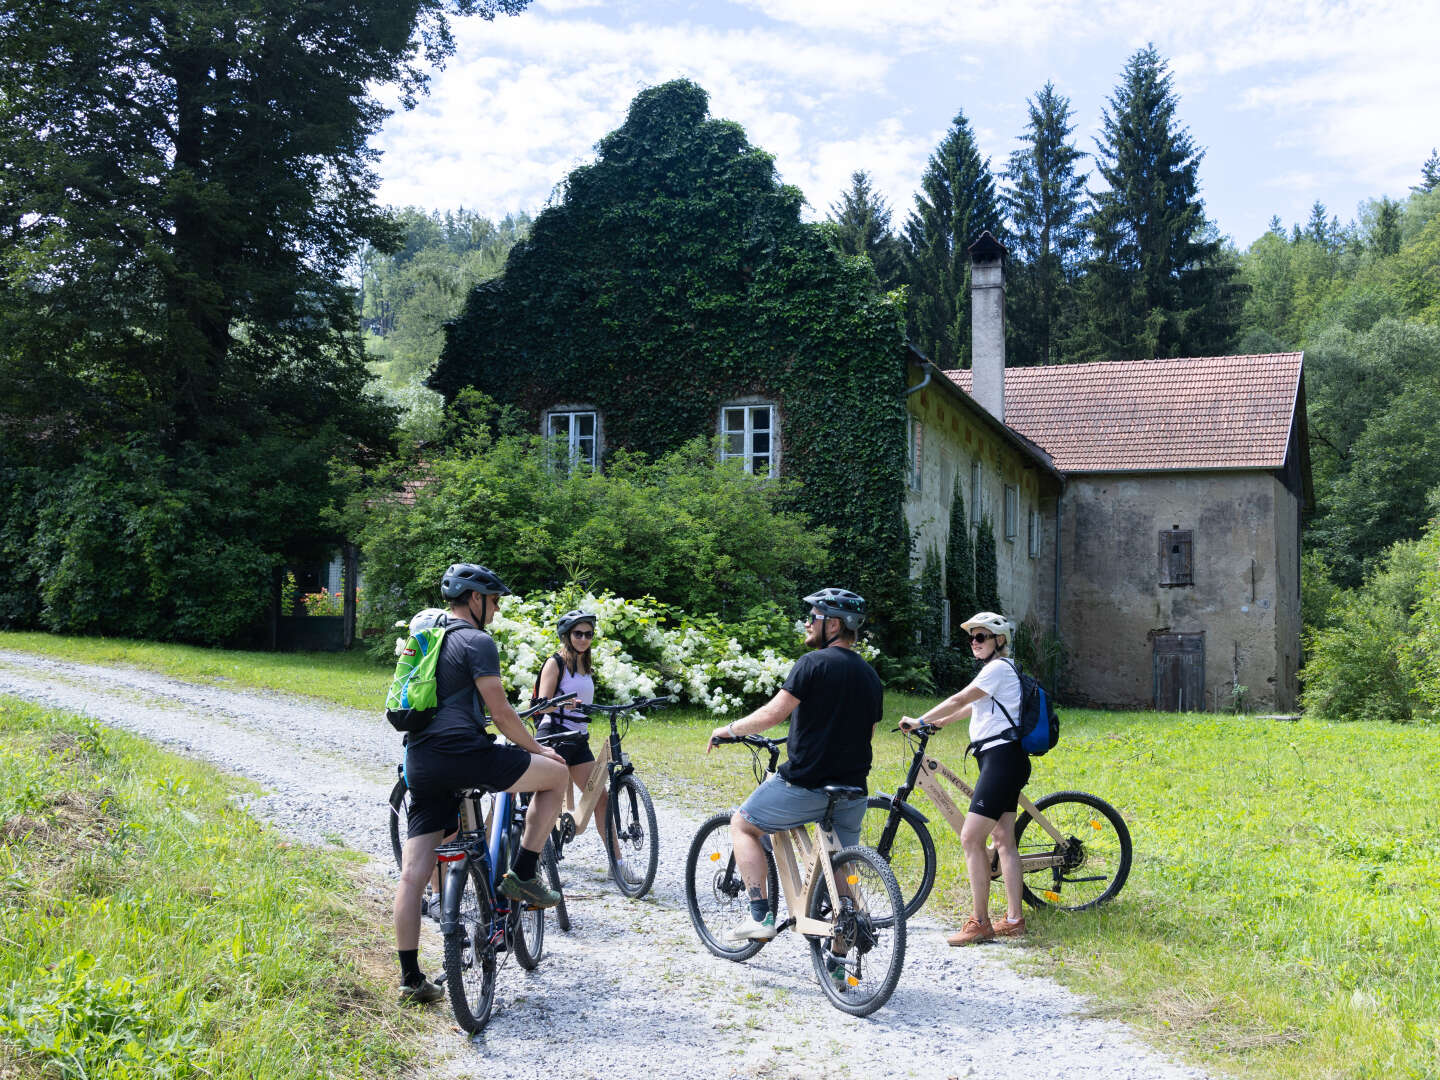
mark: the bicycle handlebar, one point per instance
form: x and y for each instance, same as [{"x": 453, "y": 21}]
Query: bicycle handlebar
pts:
[
  {"x": 545, "y": 703},
  {"x": 749, "y": 740},
  {"x": 640, "y": 703}
]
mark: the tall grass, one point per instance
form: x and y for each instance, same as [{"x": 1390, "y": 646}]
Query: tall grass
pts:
[{"x": 150, "y": 930}]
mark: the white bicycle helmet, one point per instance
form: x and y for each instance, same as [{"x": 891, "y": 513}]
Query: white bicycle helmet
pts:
[
  {"x": 1001, "y": 627},
  {"x": 424, "y": 620}
]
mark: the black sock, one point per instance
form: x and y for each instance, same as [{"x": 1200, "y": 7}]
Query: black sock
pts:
[
  {"x": 526, "y": 863},
  {"x": 410, "y": 973},
  {"x": 759, "y": 909}
]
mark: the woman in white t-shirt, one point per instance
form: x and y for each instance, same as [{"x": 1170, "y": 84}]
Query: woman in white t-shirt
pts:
[{"x": 1004, "y": 770}]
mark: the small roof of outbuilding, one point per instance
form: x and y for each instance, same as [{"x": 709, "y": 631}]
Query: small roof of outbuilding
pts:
[{"x": 1207, "y": 412}]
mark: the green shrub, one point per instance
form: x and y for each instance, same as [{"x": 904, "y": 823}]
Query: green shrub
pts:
[
  {"x": 698, "y": 536},
  {"x": 1040, "y": 652},
  {"x": 1353, "y": 669},
  {"x": 1420, "y": 651}
]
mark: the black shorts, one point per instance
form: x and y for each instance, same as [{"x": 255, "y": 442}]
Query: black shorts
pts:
[
  {"x": 1004, "y": 770},
  {"x": 434, "y": 778},
  {"x": 574, "y": 748}
]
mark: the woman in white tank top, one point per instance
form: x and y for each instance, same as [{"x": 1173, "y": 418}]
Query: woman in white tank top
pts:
[{"x": 570, "y": 671}]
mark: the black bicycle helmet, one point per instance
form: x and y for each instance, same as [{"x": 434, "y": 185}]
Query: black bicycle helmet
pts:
[
  {"x": 464, "y": 577},
  {"x": 572, "y": 619},
  {"x": 843, "y": 604}
]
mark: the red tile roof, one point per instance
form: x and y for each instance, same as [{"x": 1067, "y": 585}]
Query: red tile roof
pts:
[{"x": 1209, "y": 412}]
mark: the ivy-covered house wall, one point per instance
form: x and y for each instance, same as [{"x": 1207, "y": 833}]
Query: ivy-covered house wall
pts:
[{"x": 672, "y": 290}]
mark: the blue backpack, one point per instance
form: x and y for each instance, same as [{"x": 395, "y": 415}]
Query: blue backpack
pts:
[{"x": 1038, "y": 728}]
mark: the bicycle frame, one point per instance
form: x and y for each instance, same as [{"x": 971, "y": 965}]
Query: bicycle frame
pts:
[
  {"x": 486, "y": 836},
  {"x": 927, "y": 773},
  {"x": 611, "y": 763}
]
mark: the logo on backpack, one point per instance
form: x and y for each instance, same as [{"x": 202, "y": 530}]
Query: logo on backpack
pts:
[{"x": 1038, "y": 729}]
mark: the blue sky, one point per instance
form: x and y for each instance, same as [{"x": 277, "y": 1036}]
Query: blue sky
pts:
[{"x": 1291, "y": 101}]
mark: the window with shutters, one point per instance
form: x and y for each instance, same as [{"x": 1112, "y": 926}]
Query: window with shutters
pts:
[
  {"x": 1036, "y": 531},
  {"x": 1177, "y": 562},
  {"x": 1012, "y": 512}
]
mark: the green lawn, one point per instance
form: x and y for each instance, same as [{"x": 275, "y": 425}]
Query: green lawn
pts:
[
  {"x": 151, "y": 931},
  {"x": 1280, "y": 918}
]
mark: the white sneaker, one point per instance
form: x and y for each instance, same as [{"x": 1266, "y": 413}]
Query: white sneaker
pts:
[
  {"x": 750, "y": 930},
  {"x": 628, "y": 874}
]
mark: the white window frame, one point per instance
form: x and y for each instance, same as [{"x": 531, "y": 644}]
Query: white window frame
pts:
[
  {"x": 576, "y": 450},
  {"x": 1036, "y": 531},
  {"x": 1011, "y": 512},
  {"x": 747, "y": 455},
  {"x": 915, "y": 446},
  {"x": 977, "y": 508}
]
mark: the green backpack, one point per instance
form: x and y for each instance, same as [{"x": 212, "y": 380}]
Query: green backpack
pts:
[{"x": 411, "y": 702}]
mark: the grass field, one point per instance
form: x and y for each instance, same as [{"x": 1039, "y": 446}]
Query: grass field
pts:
[
  {"x": 151, "y": 931},
  {"x": 1280, "y": 919}
]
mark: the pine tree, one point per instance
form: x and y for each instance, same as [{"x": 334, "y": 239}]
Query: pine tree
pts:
[
  {"x": 1158, "y": 282},
  {"x": 987, "y": 571},
  {"x": 863, "y": 219},
  {"x": 959, "y": 565},
  {"x": 955, "y": 204},
  {"x": 1429, "y": 174},
  {"x": 1046, "y": 202}
]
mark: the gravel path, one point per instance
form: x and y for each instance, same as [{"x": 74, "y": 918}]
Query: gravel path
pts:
[{"x": 629, "y": 992}]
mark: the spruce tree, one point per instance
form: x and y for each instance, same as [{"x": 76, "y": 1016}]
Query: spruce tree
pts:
[
  {"x": 1158, "y": 282},
  {"x": 862, "y": 217},
  {"x": 956, "y": 202},
  {"x": 987, "y": 570},
  {"x": 959, "y": 566},
  {"x": 1429, "y": 174},
  {"x": 1046, "y": 200}
]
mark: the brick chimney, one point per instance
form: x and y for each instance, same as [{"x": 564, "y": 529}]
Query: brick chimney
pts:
[{"x": 987, "y": 323}]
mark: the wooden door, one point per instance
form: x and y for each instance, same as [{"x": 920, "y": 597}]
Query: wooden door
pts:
[{"x": 1179, "y": 666}]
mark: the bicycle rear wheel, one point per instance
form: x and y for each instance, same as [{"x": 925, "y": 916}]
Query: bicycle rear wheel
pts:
[
  {"x": 631, "y": 819},
  {"x": 1096, "y": 852},
  {"x": 399, "y": 819},
  {"x": 859, "y": 964},
  {"x": 715, "y": 896},
  {"x": 470, "y": 952},
  {"x": 551, "y": 864},
  {"x": 909, "y": 849},
  {"x": 526, "y": 923}
]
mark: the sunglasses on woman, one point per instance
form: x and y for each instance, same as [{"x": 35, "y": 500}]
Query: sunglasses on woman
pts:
[
  {"x": 584, "y": 634},
  {"x": 980, "y": 639}
]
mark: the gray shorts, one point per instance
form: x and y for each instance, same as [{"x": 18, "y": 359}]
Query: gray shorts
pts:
[{"x": 777, "y": 805}]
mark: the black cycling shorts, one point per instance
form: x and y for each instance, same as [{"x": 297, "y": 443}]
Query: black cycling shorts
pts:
[
  {"x": 434, "y": 778},
  {"x": 1004, "y": 770},
  {"x": 574, "y": 748}
]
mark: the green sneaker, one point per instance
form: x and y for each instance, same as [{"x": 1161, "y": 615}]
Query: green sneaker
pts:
[
  {"x": 534, "y": 892},
  {"x": 422, "y": 993},
  {"x": 751, "y": 930},
  {"x": 839, "y": 973}
]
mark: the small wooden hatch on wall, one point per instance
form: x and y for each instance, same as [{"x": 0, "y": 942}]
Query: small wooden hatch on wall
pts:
[
  {"x": 1179, "y": 672},
  {"x": 1177, "y": 563}
]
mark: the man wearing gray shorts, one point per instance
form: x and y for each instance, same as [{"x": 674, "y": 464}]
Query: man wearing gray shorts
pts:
[{"x": 833, "y": 699}]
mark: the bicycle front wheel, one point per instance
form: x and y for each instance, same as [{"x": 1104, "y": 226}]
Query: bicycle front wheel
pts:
[
  {"x": 399, "y": 819},
  {"x": 714, "y": 894},
  {"x": 526, "y": 923},
  {"x": 859, "y": 963},
  {"x": 631, "y": 820},
  {"x": 906, "y": 845},
  {"x": 1095, "y": 856},
  {"x": 551, "y": 864},
  {"x": 470, "y": 953}
]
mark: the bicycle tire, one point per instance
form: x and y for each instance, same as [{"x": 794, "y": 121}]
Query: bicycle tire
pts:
[
  {"x": 714, "y": 894},
  {"x": 870, "y": 928},
  {"x": 631, "y": 817},
  {"x": 1098, "y": 860},
  {"x": 910, "y": 851},
  {"x": 526, "y": 923},
  {"x": 470, "y": 953},
  {"x": 552, "y": 874},
  {"x": 399, "y": 819}
]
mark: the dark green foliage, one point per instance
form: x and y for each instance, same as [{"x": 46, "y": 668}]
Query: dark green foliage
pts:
[
  {"x": 681, "y": 529},
  {"x": 1046, "y": 201},
  {"x": 955, "y": 204},
  {"x": 1158, "y": 282},
  {"x": 1040, "y": 652},
  {"x": 862, "y": 226},
  {"x": 959, "y": 566},
  {"x": 1429, "y": 174},
  {"x": 675, "y": 274},
  {"x": 987, "y": 585}
]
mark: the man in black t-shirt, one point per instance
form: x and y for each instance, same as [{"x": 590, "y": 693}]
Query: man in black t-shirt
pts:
[
  {"x": 454, "y": 751},
  {"x": 833, "y": 699}
]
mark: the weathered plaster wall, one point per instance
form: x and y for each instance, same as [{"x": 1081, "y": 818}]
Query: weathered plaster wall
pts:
[
  {"x": 952, "y": 438},
  {"x": 1244, "y": 598}
]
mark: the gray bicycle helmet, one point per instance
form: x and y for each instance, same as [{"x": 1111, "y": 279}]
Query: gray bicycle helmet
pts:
[
  {"x": 572, "y": 619},
  {"x": 466, "y": 577},
  {"x": 843, "y": 604}
]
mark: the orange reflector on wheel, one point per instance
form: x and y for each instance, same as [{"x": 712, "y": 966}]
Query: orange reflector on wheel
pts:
[
  {"x": 1053, "y": 897},
  {"x": 851, "y": 980},
  {"x": 1097, "y": 826},
  {"x": 852, "y": 879},
  {"x": 715, "y": 857}
]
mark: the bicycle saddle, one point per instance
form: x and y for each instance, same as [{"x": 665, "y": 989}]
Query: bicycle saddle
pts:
[{"x": 843, "y": 791}]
